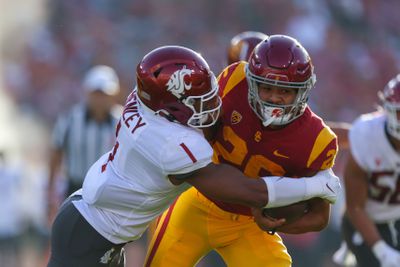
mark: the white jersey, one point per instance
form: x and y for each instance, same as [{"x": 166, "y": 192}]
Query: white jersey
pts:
[
  {"x": 127, "y": 188},
  {"x": 373, "y": 152}
]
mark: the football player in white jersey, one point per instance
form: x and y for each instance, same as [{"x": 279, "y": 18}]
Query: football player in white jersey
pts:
[
  {"x": 371, "y": 225},
  {"x": 160, "y": 151}
]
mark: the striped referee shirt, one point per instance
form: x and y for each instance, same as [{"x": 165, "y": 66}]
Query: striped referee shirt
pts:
[{"x": 83, "y": 140}]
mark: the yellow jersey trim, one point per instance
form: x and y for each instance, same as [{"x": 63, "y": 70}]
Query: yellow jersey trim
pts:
[
  {"x": 323, "y": 139},
  {"x": 237, "y": 76}
]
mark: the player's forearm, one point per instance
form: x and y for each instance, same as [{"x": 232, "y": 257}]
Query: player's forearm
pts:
[
  {"x": 54, "y": 166},
  {"x": 237, "y": 190},
  {"x": 226, "y": 183},
  {"x": 53, "y": 170},
  {"x": 363, "y": 224},
  {"x": 52, "y": 177}
]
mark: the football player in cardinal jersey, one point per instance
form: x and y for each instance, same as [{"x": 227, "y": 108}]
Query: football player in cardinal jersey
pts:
[
  {"x": 240, "y": 48},
  {"x": 266, "y": 129},
  {"x": 371, "y": 225},
  {"x": 159, "y": 152}
]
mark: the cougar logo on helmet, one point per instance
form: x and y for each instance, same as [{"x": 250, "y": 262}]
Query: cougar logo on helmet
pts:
[{"x": 176, "y": 84}]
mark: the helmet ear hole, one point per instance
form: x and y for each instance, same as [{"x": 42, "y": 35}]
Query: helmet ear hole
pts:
[{"x": 157, "y": 72}]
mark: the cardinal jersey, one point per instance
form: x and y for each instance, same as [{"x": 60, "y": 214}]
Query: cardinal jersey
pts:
[
  {"x": 300, "y": 149},
  {"x": 128, "y": 187},
  {"x": 373, "y": 152}
]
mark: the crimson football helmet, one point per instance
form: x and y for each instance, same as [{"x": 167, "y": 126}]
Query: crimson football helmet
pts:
[
  {"x": 390, "y": 97},
  {"x": 280, "y": 61},
  {"x": 243, "y": 44},
  {"x": 176, "y": 82}
]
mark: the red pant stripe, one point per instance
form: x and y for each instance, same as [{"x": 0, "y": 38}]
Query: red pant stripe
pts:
[{"x": 160, "y": 235}]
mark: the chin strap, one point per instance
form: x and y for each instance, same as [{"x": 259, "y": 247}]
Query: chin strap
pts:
[
  {"x": 272, "y": 113},
  {"x": 268, "y": 122},
  {"x": 176, "y": 112}
]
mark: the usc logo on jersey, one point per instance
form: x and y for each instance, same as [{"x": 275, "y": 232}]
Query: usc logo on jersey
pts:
[
  {"x": 257, "y": 136},
  {"x": 236, "y": 117}
]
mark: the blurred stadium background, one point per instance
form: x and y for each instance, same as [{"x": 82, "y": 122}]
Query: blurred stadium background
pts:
[{"x": 46, "y": 46}]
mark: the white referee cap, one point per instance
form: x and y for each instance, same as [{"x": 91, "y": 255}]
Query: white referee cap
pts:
[{"x": 101, "y": 78}]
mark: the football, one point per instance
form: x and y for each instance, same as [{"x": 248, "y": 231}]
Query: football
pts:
[{"x": 291, "y": 212}]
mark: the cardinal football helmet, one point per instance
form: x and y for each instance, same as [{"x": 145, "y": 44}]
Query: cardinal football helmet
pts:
[
  {"x": 390, "y": 97},
  {"x": 280, "y": 61},
  {"x": 176, "y": 82},
  {"x": 243, "y": 44}
]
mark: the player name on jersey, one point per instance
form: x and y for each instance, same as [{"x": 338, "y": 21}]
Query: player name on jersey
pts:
[{"x": 131, "y": 115}]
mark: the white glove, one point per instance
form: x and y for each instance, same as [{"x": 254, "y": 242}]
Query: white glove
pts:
[
  {"x": 344, "y": 257},
  {"x": 324, "y": 184},
  {"x": 387, "y": 256}
]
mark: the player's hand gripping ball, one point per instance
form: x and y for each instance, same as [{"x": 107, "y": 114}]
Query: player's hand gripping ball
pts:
[{"x": 291, "y": 212}]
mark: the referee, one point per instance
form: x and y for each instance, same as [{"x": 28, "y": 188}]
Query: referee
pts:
[{"x": 83, "y": 134}]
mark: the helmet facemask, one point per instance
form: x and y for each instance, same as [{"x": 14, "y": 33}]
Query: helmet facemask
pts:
[
  {"x": 390, "y": 98},
  {"x": 393, "y": 119},
  {"x": 273, "y": 114},
  {"x": 205, "y": 107},
  {"x": 196, "y": 111}
]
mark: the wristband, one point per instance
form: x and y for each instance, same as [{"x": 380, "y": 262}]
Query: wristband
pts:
[{"x": 283, "y": 191}]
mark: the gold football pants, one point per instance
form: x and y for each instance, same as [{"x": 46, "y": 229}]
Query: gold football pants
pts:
[{"x": 193, "y": 226}]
